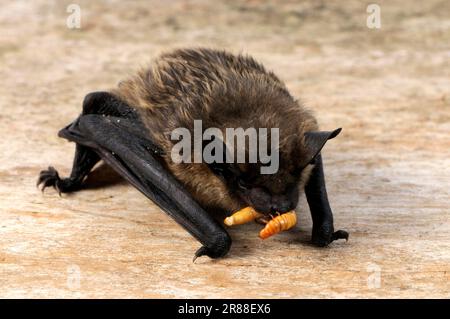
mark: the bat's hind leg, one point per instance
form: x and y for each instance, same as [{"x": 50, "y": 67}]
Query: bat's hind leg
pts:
[
  {"x": 83, "y": 162},
  {"x": 85, "y": 158}
]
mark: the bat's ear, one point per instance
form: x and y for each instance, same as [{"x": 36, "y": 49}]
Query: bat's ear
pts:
[{"x": 315, "y": 141}]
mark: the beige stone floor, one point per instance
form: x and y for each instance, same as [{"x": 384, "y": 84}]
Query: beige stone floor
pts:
[{"x": 388, "y": 173}]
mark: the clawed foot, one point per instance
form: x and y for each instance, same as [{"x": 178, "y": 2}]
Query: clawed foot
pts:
[
  {"x": 50, "y": 177},
  {"x": 324, "y": 235}
]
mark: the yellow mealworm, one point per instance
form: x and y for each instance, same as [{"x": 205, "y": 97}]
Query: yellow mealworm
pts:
[
  {"x": 278, "y": 224},
  {"x": 242, "y": 216}
]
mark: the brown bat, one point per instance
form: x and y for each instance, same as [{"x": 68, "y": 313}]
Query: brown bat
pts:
[{"x": 130, "y": 127}]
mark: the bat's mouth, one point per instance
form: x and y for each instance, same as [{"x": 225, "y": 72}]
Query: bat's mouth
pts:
[
  {"x": 261, "y": 208},
  {"x": 265, "y": 213},
  {"x": 264, "y": 210},
  {"x": 269, "y": 211},
  {"x": 265, "y": 203}
]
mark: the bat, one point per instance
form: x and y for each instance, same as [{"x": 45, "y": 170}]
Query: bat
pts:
[{"x": 130, "y": 128}]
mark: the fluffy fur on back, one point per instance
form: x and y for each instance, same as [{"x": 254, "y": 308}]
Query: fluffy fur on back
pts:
[{"x": 223, "y": 90}]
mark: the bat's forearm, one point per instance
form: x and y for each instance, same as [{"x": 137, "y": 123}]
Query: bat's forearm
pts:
[{"x": 316, "y": 195}]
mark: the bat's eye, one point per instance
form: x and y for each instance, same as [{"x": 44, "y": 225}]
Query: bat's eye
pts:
[{"x": 242, "y": 184}]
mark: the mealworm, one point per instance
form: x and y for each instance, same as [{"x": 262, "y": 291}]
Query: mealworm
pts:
[
  {"x": 278, "y": 224},
  {"x": 242, "y": 216}
]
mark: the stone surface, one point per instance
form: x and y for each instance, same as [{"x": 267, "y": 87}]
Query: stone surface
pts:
[{"x": 388, "y": 173}]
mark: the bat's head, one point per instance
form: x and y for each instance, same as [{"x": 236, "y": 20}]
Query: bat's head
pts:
[{"x": 278, "y": 191}]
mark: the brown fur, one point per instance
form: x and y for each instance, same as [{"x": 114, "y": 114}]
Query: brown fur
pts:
[{"x": 223, "y": 90}]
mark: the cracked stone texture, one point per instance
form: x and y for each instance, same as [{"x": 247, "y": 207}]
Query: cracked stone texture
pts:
[{"x": 388, "y": 173}]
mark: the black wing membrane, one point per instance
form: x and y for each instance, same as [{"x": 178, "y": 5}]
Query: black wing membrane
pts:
[{"x": 134, "y": 156}]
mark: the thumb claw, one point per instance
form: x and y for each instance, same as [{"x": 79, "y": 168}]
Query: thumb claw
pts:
[
  {"x": 202, "y": 251},
  {"x": 340, "y": 234}
]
